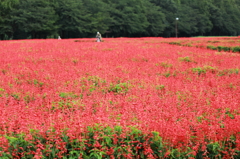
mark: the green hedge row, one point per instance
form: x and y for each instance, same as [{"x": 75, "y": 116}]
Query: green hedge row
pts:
[
  {"x": 219, "y": 48},
  {"x": 225, "y": 48}
]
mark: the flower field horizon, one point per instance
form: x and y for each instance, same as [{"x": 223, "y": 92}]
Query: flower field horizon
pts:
[{"x": 75, "y": 98}]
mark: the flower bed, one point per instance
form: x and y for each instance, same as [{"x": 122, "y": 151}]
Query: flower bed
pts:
[{"x": 123, "y": 98}]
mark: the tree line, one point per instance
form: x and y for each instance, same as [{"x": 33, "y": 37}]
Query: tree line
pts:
[{"x": 22, "y": 19}]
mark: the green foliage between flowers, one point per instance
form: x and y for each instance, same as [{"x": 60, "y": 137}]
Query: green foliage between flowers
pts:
[
  {"x": 212, "y": 47},
  {"x": 175, "y": 43},
  {"x": 120, "y": 88},
  {"x": 228, "y": 72},
  {"x": 203, "y": 70},
  {"x": 236, "y": 49},
  {"x": 225, "y": 72},
  {"x": 97, "y": 142},
  {"x": 165, "y": 64},
  {"x": 185, "y": 59},
  {"x": 224, "y": 48},
  {"x": 1, "y": 91},
  {"x": 218, "y": 48}
]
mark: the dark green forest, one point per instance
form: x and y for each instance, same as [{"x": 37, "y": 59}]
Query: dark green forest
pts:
[{"x": 28, "y": 19}]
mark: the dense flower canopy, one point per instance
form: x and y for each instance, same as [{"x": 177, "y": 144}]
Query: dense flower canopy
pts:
[{"x": 190, "y": 96}]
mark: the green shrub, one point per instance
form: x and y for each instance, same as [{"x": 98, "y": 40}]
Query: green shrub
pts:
[
  {"x": 199, "y": 70},
  {"x": 210, "y": 69},
  {"x": 188, "y": 44},
  {"x": 120, "y": 88},
  {"x": 185, "y": 59},
  {"x": 165, "y": 64},
  {"x": 236, "y": 49},
  {"x": 223, "y": 48},
  {"x": 175, "y": 43},
  {"x": 203, "y": 70},
  {"x": 228, "y": 72},
  {"x": 212, "y": 47}
]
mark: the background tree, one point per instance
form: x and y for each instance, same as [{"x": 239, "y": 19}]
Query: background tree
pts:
[
  {"x": 128, "y": 17},
  {"x": 187, "y": 25},
  {"x": 99, "y": 17},
  {"x": 225, "y": 17},
  {"x": 73, "y": 18},
  {"x": 155, "y": 19},
  {"x": 125, "y": 18},
  {"x": 6, "y": 30},
  {"x": 170, "y": 10},
  {"x": 35, "y": 18},
  {"x": 201, "y": 15}
]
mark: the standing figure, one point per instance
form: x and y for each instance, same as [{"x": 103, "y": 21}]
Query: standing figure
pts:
[{"x": 99, "y": 37}]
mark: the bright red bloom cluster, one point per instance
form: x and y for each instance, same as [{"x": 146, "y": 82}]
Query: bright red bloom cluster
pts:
[{"x": 189, "y": 95}]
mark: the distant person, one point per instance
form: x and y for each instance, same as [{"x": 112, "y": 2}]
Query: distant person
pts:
[
  {"x": 99, "y": 37},
  {"x": 59, "y": 38}
]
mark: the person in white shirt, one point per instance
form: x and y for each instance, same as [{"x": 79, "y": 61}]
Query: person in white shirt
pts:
[{"x": 99, "y": 37}]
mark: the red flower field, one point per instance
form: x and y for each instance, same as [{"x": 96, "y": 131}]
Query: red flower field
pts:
[{"x": 122, "y": 98}]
